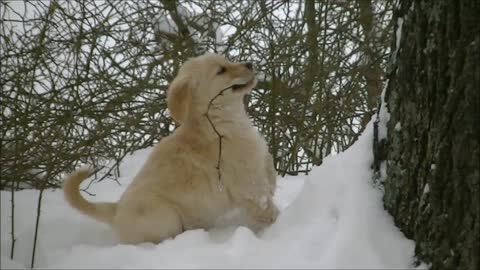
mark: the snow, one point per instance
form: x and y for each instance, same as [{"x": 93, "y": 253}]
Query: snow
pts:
[
  {"x": 165, "y": 24},
  {"x": 332, "y": 218},
  {"x": 426, "y": 189},
  {"x": 384, "y": 115},
  {"x": 219, "y": 36},
  {"x": 263, "y": 77},
  {"x": 7, "y": 263},
  {"x": 398, "y": 126},
  {"x": 398, "y": 37}
]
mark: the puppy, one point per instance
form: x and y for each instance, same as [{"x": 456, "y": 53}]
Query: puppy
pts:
[{"x": 191, "y": 180}]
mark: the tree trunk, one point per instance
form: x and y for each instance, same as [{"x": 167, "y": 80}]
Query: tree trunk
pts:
[{"x": 431, "y": 151}]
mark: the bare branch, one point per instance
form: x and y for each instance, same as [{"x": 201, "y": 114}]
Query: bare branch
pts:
[{"x": 220, "y": 137}]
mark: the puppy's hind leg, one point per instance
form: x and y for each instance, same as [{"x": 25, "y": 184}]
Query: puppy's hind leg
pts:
[{"x": 153, "y": 225}]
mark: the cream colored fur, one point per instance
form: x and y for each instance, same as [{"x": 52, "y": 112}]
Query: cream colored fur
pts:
[{"x": 178, "y": 188}]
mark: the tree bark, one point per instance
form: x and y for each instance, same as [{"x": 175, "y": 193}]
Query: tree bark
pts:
[{"x": 432, "y": 150}]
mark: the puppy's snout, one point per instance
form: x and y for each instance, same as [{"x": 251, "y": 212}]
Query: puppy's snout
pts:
[{"x": 249, "y": 65}]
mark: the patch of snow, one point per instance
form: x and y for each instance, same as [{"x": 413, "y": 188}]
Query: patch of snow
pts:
[
  {"x": 396, "y": 3},
  {"x": 398, "y": 126},
  {"x": 398, "y": 37},
  {"x": 184, "y": 12},
  {"x": 218, "y": 36},
  {"x": 383, "y": 171},
  {"x": 167, "y": 25},
  {"x": 262, "y": 76},
  {"x": 423, "y": 266},
  {"x": 384, "y": 116},
  {"x": 7, "y": 263},
  {"x": 219, "y": 40},
  {"x": 426, "y": 189},
  {"x": 332, "y": 218}
]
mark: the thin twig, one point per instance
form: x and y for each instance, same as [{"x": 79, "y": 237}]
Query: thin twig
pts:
[
  {"x": 91, "y": 181},
  {"x": 95, "y": 173},
  {"x": 117, "y": 165},
  {"x": 89, "y": 193},
  {"x": 51, "y": 10},
  {"x": 220, "y": 137},
  {"x": 12, "y": 224},
  {"x": 39, "y": 206}
]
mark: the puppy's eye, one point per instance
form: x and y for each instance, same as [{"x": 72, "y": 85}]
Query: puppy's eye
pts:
[{"x": 221, "y": 70}]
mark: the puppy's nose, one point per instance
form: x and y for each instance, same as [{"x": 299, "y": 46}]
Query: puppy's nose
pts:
[{"x": 249, "y": 65}]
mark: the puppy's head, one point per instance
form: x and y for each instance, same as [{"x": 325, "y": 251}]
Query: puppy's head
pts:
[{"x": 202, "y": 78}]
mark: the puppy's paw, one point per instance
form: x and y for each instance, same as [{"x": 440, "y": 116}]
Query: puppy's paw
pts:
[{"x": 268, "y": 215}]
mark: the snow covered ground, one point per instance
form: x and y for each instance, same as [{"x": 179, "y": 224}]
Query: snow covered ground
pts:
[{"x": 332, "y": 218}]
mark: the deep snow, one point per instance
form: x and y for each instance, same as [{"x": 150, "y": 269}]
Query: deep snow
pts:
[{"x": 332, "y": 218}]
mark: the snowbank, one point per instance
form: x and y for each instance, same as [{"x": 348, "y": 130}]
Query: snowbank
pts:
[{"x": 332, "y": 218}]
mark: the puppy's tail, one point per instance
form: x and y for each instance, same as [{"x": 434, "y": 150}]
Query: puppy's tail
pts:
[{"x": 103, "y": 212}]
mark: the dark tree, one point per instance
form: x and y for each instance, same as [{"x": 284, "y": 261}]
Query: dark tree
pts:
[{"x": 431, "y": 153}]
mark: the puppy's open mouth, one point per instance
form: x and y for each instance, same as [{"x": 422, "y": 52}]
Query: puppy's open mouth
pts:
[{"x": 237, "y": 87}]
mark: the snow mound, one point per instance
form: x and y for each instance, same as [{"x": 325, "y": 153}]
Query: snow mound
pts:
[{"x": 332, "y": 218}]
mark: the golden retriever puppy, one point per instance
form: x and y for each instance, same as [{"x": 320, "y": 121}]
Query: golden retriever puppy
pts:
[{"x": 190, "y": 181}]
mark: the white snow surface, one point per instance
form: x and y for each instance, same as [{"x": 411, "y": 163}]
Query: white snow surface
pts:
[
  {"x": 332, "y": 218},
  {"x": 384, "y": 115},
  {"x": 398, "y": 35}
]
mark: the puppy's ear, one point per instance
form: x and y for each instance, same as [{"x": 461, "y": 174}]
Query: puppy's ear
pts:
[{"x": 178, "y": 97}]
